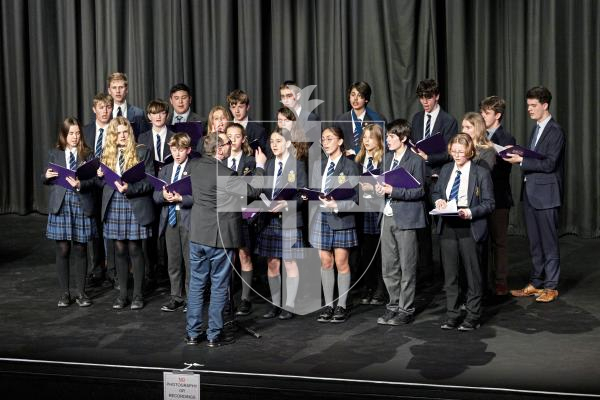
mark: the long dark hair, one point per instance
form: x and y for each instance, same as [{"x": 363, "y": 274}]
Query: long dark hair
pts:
[{"x": 82, "y": 149}]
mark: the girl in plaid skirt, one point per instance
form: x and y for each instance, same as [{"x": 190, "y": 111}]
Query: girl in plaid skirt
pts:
[
  {"x": 334, "y": 231},
  {"x": 70, "y": 211},
  {"x": 127, "y": 212}
]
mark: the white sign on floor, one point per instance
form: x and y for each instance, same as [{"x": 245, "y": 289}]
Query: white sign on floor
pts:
[{"x": 181, "y": 386}]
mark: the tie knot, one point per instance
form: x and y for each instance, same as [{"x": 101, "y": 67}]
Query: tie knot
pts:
[
  {"x": 370, "y": 158},
  {"x": 101, "y": 130},
  {"x": 458, "y": 172},
  {"x": 428, "y": 116},
  {"x": 280, "y": 164}
]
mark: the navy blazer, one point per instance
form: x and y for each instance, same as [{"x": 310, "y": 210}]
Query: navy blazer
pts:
[
  {"x": 294, "y": 173},
  {"x": 147, "y": 140},
  {"x": 408, "y": 205},
  {"x": 139, "y": 193},
  {"x": 346, "y": 170},
  {"x": 344, "y": 122},
  {"x": 444, "y": 124},
  {"x": 192, "y": 117},
  {"x": 57, "y": 192},
  {"x": 480, "y": 197},
  {"x": 186, "y": 202},
  {"x": 209, "y": 225},
  {"x": 544, "y": 184},
  {"x": 501, "y": 170},
  {"x": 246, "y": 166},
  {"x": 137, "y": 118},
  {"x": 89, "y": 135},
  {"x": 255, "y": 131}
]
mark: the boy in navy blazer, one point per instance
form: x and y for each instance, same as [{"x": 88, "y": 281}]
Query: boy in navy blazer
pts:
[
  {"x": 174, "y": 220},
  {"x": 118, "y": 88},
  {"x": 541, "y": 193},
  {"x": 180, "y": 97},
  {"x": 239, "y": 105}
]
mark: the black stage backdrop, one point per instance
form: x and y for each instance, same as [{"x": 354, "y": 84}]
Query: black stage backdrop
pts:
[{"x": 57, "y": 54}]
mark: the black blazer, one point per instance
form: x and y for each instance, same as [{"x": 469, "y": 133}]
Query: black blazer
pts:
[
  {"x": 57, "y": 192},
  {"x": 137, "y": 118},
  {"x": 480, "y": 194},
  {"x": 294, "y": 173},
  {"x": 89, "y": 135},
  {"x": 501, "y": 171},
  {"x": 444, "y": 124},
  {"x": 544, "y": 184},
  {"x": 408, "y": 205},
  {"x": 208, "y": 225},
  {"x": 344, "y": 122},
  {"x": 246, "y": 166},
  {"x": 346, "y": 170},
  {"x": 185, "y": 205},
  {"x": 139, "y": 193},
  {"x": 255, "y": 131},
  {"x": 147, "y": 140}
]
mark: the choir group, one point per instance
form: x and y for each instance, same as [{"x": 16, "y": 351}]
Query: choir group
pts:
[{"x": 366, "y": 198}]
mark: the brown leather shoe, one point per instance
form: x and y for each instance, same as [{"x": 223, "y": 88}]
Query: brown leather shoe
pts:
[
  {"x": 528, "y": 290},
  {"x": 547, "y": 296}
]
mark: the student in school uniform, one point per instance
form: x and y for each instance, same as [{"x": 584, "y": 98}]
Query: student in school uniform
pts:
[
  {"x": 370, "y": 158},
  {"x": 118, "y": 88},
  {"x": 286, "y": 119},
  {"x": 239, "y": 105},
  {"x": 493, "y": 109},
  {"x": 474, "y": 125},
  {"x": 180, "y": 97},
  {"x": 242, "y": 162},
  {"x": 333, "y": 231},
  {"x": 403, "y": 215},
  {"x": 352, "y": 122},
  {"x": 103, "y": 262},
  {"x": 174, "y": 220},
  {"x": 281, "y": 238},
  {"x": 290, "y": 96},
  {"x": 128, "y": 212},
  {"x": 71, "y": 221},
  {"x": 157, "y": 140},
  {"x": 470, "y": 186}
]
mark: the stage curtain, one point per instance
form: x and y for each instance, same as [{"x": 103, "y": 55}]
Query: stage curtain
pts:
[{"x": 57, "y": 54}]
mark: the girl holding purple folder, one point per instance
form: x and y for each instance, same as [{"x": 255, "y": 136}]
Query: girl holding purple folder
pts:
[
  {"x": 70, "y": 211},
  {"x": 128, "y": 211}
]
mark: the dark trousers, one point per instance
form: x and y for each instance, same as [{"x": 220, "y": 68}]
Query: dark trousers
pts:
[
  {"x": 498, "y": 266},
  {"x": 542, "y": 231},
  {"x": 426, "y": 268},
  {"x": 178, "y": 255},
  {"x": 457, "y": 244}
]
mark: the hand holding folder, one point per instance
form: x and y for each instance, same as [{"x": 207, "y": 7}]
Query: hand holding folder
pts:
[
  {"x": 342, "y": 192},
  {"x": 506, "y": 152},
  {"x": 398, "y": 178},
  {"x": 86, "y": 170},
  {"x": 132, "y": 175},
  {"x": 182, "y": 186},
  {"x": 431, "y": 145}
]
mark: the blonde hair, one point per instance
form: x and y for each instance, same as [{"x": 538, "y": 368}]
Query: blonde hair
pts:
[
  {"x": 465, "y": 140},
  {"x": 211, "y": 114},
  {"x": 377, "y": 134},
  {"x": 110, "y": 154},
  {"x": 481, "y": 139}
]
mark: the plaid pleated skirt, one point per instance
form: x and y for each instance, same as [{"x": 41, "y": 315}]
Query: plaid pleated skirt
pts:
[
  {"x": 274, "y": 241},
  {"x": 324, "y": 238},
  {"x": 371, "y": 223},
  {"x": 120, "y": 223},
  {"x": 70, "y": 223}
]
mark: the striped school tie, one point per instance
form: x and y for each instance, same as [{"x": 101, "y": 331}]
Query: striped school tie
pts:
[
  {"x": 455, "y": 186},
  {"x": 357, "y": 131},
  {"x": 158, "y": 148},
  {"x": 233, "y": 166},
  {"x": 428, "y": 126},
  {"x": 72, "y": 162},
  {"x": 370, "y": 165},
  {"x": 329, "y": 178},
  {"x": 98, "y": 151},
  {"x": 121, "y": 162},
  {"x": 172, "y": 207},
  {"x": 277, "y": 180},
  {"x": 178, "y": 118}
]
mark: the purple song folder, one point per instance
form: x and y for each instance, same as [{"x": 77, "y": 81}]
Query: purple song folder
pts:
[
  {"x": 342, "y": 192},
  {"x": 521, "y": 151},
  {"x": 433, "y": 144},
  {"x": 399, "y": 178},
  {"x": 194, "y": 129},
  {"x": 370, "y": 176},
  {"x": 132, "y": 175},
  {"x": 182, "y": 186},
  {"x": 286, "y": 193},
  {"x": 86, "y": 170}
]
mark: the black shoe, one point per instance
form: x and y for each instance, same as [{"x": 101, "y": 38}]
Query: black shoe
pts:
[
  {"x": 285, "y": 314},
  {"x": 172, "y": 305},
  {"x": 326, "y": 315},
  {"x": 272, "y": 313},
  {"x": 192, "y": 341},
  {"x": 65, "y": 300},
  {"x": 220, "y": 340},
  {"x": 83, "y": 301},
  {"x": 94, "y": 279},
  {"x": 244, "y": 308},
  {"x": 377, "y": 300},
  {"x": 119, "y": 303},
  {"x": 341, "y": 314},
  {"x": 402, "y": 319},
  {"x": 449, "y": 324},
  {"x": 387, "y": 318},
  {"x": 467, "y": 326},
  {"x": 137, "y": 303},
  {"x": 366, "y": 300}
]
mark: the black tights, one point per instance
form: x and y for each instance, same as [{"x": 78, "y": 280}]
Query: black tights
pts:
[
  {"x": 133, "y": 248},
  {"x": 63, "y": 252}
]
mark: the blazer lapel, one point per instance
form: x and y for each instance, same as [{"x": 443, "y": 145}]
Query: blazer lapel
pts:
[{"x": 472, "y": 184}]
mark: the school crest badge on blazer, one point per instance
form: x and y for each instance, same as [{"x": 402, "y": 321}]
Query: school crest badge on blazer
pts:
[
  {"x": 342, "y": 179},
  {"x": 246, "y": 171},
  {"x": 292, "y": 177}
]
